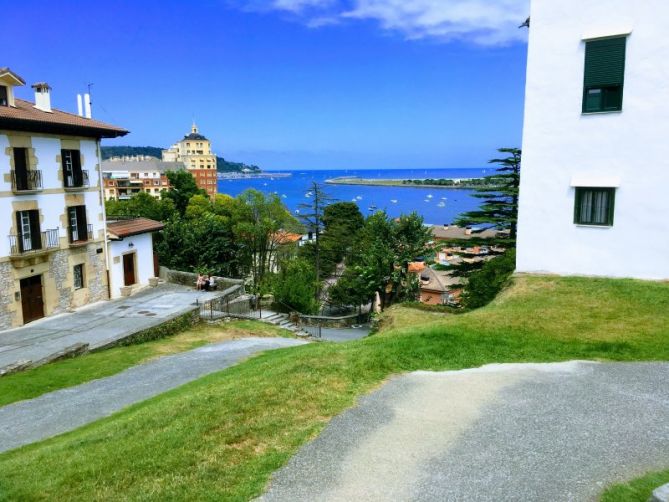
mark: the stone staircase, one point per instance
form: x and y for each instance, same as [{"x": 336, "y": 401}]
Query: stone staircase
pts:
[{"x": 282, "y": 321}]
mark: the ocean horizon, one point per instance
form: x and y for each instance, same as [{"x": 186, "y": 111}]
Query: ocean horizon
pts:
[{"x": 437, "y": 205}]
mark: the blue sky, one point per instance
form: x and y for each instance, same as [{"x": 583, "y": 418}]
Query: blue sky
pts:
[{"x": 288, "y": 83}]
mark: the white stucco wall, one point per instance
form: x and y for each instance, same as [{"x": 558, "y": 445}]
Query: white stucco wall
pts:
[
  {"x": 51, "y": 205},
  {"x": 561, "y": 145},
  {"x": 142, "y": 246}
]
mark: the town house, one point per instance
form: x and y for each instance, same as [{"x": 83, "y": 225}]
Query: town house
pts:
[{"x": 52, "y": 231}]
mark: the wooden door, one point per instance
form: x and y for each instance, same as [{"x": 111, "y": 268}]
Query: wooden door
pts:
[
  {"x": 129, "y": 269},
  {"x": 32, "y": 299}
]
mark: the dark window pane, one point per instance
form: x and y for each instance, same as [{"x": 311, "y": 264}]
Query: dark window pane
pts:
[{"x": 3, "y": 96}]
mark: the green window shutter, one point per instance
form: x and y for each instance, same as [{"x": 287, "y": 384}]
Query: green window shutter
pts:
[{"x": 605, "y": 62}]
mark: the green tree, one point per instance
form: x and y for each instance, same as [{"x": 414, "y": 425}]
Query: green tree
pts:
[
  {"x": 295, "y": 287},
  {"x": 383, "y": 252},
  {"x": 183, "y": 187},
  {"x": 141, "y": 205},
  {"x": 342, "y": 222},
  {"x": 256, "y": 220},
  {"x": 312, "y": 214},
  {"x": 498, "y": 210}
]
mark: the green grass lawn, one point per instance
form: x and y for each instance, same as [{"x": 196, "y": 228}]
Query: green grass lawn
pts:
[
  {"x": 638, "y": 490},
  {"x": 222, "y": 436},
  {"x": 70, "y": 372}
]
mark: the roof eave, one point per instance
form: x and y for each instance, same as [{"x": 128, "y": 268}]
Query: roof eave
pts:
[{"x": 14, "y": 124}]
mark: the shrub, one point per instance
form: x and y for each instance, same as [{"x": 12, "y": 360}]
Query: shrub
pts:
[
  {"x": 295, "y": 287},
  {"x": 486, "y": 283}
]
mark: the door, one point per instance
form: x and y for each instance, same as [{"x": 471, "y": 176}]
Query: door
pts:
[
  {"x": 129, "y": 269},
  {"x": 32, "y": 299}
]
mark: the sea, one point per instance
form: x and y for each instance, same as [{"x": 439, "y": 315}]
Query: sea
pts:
[{"x": 437, "y": 205}]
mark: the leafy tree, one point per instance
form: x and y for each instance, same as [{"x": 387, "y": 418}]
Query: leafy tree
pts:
[
  {"x": 498, "y": 210},
  {"x": 143, "y": 205},
  {"x": 206, "y": 244},
  {"x": 295, "y": 287},
  {"x": 383, "y": 252},
  {"x": 342, "y": 222},
  {"x": 256, "y": 220},
  {"x": 183, "y": 188}
]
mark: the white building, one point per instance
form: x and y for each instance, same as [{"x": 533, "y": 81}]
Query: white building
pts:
[
  {"x": 52, "y": 229},
  {"x": 595, "y": 149},
  {"x": 131, "y": 254},
  {"x": 124, "y": 178}
]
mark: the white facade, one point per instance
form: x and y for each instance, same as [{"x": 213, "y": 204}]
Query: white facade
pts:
[
  {"x": 564, "y": 148},
  {"x": 141, "y": 246}
]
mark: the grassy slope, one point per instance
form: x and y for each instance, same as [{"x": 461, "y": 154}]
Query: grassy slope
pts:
[
  {"x": 638, "y": 490},
  {"x": 70, "y": 372},
  {"x": 222, "y": 436}
]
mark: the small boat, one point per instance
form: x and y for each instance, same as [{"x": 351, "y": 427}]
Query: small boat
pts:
[
  {"x": 429, "y": 196},
  {"x": 441, "y": 204},
  {"x": 394, "y": 201},
  {"x": 284, "y": 196},
  {"x": 372, "y": 208},
  {"x": 359, "y": 197}
]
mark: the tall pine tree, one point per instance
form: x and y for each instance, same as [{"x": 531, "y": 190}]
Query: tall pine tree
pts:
[{"x": 498, "y": 211}]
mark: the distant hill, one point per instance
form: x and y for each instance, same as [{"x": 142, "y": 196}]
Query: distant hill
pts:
[{"x": 222, "y": 165}]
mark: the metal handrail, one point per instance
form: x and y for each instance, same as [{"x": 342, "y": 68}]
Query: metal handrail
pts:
[
  {"x": 23, "y": 244},
  {"x": 71, "y": 181},
  {"x": 30, "y": 180}
]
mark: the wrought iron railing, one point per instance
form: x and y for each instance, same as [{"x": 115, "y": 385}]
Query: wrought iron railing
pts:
[
  {"x": 79, "y": 236},
  {"x": 77, "y": 180},
  {"x": 25, "y": 243},
  {"x": 29, "y": 180}
]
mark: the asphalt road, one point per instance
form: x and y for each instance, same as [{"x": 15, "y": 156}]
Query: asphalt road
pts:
[
  {"x": 550, "y": 432},
  {"x": 64, "y": 410}
]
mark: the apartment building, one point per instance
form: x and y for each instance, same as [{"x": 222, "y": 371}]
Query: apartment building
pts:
[
  {"x": 124, "y": 178},
  {"x": 595, "y": 151},
  {"x": 194, "y": 150},
  {"x": 52, "y": 229}
]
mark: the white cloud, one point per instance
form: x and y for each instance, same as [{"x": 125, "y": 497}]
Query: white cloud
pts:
[{"x": 484, "y": 22}]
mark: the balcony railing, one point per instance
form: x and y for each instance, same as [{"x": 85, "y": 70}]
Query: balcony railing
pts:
[
  {"x": 76, "y": 180},
  {"x": 26, "y": 181},
  {"x": 81, "y": 236},
  {"x": 25, "y": 243}
]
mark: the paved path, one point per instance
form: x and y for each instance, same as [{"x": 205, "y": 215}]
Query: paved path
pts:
[
  {"x": 558, "y": 432},
  {"x": 97, "y": 324},
  {"x": 64, "y": 410}
]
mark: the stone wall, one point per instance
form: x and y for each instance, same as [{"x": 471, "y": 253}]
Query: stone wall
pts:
[
  {"x": 332, "y": 322},
  {"x": 189, "y": 279},
  {"x": 6, "y": 295}
]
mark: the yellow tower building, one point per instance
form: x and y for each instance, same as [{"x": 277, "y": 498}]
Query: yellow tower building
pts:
[{"x": 194, "y": 150}]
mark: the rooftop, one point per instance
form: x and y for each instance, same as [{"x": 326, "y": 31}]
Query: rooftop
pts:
[
  {"x": 125, "y": 228},
  {"x": 456, "y": 232},
  {"x": 133, "y": 166},
  {"x": 25, "y": 117}
]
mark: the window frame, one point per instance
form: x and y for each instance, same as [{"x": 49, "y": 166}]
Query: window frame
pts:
[
  {"x": 607, "y": 90},
  {"x": 579, "y": 193},
  {"x": 4, "y": 95},
  {"x": 81, "y": 276}
]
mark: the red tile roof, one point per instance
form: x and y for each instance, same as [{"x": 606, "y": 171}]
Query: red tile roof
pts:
[
  {"x": 125, "y": 228},
  {"x": 25, "y": 117}
]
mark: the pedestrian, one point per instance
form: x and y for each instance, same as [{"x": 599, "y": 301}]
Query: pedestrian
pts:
[{"x": 199, "y": 284}]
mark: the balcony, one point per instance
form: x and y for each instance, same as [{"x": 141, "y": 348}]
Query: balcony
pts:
[
  {"x": 22, "y": 245},
  {"x": 79, "y": 237},
  {"x": 77, "y": 180},
  {"x": 26, "y": 181}
]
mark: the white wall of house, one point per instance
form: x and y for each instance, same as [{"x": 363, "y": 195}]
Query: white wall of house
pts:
[
  {"x": 51, "y": 200},
  {"x": 564, "y": 148},
  {"x": 142, "y": 246}
]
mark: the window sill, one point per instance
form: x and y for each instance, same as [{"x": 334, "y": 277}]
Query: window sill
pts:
[
  {"x": 76, "y": 189},
  {"x": 607, "y": 112},
  {"x": 585, "y": 225}
]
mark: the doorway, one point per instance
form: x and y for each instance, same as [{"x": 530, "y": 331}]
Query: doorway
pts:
[
  {"x": 129, "y": 269},
  {"x": 32, "y": 298}
]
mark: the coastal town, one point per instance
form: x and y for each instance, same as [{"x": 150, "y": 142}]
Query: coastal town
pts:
[{"x": 177, "y": 325}]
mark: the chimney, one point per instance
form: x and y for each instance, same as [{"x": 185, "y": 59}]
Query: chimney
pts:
[
  {"x": 80, "y": 106},
  {"x": 468, "y": 230},
  {"x": 42, "y": 96},
  {"x": 87, "y": 105}
]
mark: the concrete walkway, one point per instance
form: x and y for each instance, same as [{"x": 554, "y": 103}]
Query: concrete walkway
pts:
[
  {"x": 97, "y": 324},
  {"x": 64, "y": 410},
  {"x": 558, "y": 432}
]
